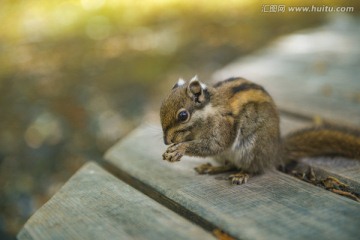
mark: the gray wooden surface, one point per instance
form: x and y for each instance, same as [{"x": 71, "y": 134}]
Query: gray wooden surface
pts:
[
  {"x": 95, "y": 205},
  {"x": 345, "y": 170},
  {"x": 270, "y": 206}
]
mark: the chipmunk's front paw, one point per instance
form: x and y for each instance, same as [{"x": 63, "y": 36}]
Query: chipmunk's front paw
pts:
[
  {"x": 239, "y": 178},
  {"x": 174, "y": 153}
]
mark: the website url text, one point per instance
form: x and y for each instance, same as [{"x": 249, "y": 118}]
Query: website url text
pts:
[{"x": 274, "y": 8}]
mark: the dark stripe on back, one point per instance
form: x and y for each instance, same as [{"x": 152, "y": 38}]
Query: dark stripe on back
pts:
[
  {"x": 227, "y": 81},
  {"x": 247, "y": 86}
]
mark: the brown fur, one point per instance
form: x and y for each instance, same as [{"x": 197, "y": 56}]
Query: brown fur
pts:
[
  {"x": 325, "y": 140},
  {"x": 236, "y": 122}
]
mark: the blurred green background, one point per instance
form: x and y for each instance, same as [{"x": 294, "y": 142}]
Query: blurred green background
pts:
[{"x": 76, "y": 76}]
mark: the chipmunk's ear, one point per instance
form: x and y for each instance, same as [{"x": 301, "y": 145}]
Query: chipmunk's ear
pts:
[
  {"x": 180, "y": 83},
  {"x": 196, "y": 90}
]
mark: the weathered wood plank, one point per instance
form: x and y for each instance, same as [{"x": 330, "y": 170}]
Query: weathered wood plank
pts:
[
  {"x": 270, "y": 206},
  {"x": 93, "y": 204},
  {"x": 346, "y": 170},
  {"x": 306, "y": 74}
]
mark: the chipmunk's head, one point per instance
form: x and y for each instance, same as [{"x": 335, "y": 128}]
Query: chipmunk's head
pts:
[{"x": 178, "y": 112}]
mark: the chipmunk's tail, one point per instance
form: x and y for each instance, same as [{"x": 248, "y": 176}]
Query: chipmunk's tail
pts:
[{"x": 325, "y": 140}]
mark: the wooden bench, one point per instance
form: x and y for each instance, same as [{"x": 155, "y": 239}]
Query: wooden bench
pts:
[{"x": 136, "y": 195}]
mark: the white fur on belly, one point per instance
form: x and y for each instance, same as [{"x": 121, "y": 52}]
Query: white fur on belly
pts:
[{"x": 241, "y": 152}]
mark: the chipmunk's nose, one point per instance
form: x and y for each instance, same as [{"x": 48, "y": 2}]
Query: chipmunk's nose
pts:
[{"x": 167, "y": 141}]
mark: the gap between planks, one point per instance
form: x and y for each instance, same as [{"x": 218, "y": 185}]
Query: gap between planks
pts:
[{"x": 162, "y": 199}]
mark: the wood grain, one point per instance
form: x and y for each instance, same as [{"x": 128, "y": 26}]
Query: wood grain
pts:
[
  {"x": 95, "y": 205},
  {"x": 270, "y": 206}
]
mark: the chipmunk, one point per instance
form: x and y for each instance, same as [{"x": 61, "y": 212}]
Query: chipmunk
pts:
[{"x": 237, "y": 123}]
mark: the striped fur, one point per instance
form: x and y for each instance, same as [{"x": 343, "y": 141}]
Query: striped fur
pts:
[
  {"x": 229, "y": 125},
  {"x": 236, "y": 122}
]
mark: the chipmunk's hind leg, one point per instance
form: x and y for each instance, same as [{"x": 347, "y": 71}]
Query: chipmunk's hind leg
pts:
[{"x": 208, "y": 168}]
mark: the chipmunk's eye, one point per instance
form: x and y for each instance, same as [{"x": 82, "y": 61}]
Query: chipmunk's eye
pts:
[{"x": 183, "y": 115}]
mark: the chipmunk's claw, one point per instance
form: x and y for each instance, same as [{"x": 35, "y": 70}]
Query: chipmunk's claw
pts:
[
  {"x": 174, "y": 153},
  {"x": 239, "y": 178}
]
